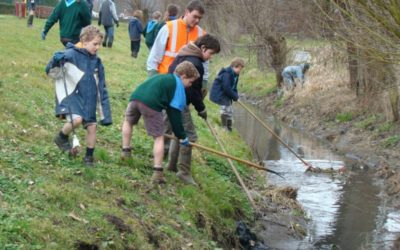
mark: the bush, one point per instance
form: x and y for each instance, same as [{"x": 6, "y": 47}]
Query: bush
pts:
[{"x": 7, "y": 9}]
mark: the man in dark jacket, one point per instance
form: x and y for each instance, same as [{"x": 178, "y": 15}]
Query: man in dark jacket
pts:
[
  {"x": 107, "y": 18},
  {"x": 197, "y": 53},
  {"x": 72, "y": 15},
  {"x": 224, "y": 90}
]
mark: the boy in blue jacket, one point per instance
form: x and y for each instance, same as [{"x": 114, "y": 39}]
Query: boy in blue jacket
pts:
[
  {"x": 80, "y": 90},
  {"x": 224, "y": 90},
  {"x": 135, "y": 31}
]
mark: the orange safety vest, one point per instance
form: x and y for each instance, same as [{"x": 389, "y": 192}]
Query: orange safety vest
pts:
[{"x": 178, "y": 36}]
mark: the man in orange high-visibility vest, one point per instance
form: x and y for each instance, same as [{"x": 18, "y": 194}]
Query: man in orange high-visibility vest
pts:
[{"x": 173, "y": 36}]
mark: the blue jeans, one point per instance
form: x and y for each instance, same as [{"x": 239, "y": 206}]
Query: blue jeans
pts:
[
  {"x": 109, "y": 37},
  {"x": 288, "y": 80}
]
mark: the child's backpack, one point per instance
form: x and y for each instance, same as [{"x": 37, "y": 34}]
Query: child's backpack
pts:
[{"x": 151, "y": 31}]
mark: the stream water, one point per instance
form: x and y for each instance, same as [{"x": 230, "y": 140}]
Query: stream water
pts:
[{"x": 345, "y": 212}]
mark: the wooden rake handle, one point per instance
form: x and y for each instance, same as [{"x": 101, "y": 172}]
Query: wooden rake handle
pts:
[{"x": 248, "y": 163}]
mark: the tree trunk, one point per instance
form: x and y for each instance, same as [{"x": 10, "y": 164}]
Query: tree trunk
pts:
[
  {"x": 354, "y": 82},
  {"x": 277, "y": 54}
]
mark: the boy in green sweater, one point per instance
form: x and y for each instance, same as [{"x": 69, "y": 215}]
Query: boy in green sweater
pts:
[
  {"x": 165, "y": 91},
  {"x": 73, "y": 15}
]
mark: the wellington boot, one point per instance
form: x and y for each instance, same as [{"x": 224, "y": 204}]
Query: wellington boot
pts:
[
  {"x": 184, "y": 165},
  {"x": 158, "y": 176},
  {"x": 229, "y": 125},
  {"x": 224, "y": 121},
  {"x": 173, "y": 155},
  {"x": 109, "y": 44}
]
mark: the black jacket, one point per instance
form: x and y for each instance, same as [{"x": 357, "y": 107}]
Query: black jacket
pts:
[{"x": 193, "y": 94}]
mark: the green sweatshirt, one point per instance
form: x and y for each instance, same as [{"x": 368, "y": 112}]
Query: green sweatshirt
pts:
[
  {"x": 72, "y": 19},
  {"x": 157, "y": 93}
]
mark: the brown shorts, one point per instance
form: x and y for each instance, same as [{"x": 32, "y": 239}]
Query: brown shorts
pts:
[{"x": 153, "y": 120}]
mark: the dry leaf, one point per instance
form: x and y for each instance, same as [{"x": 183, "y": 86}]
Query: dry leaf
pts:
[{"x": 75, "y": 217}]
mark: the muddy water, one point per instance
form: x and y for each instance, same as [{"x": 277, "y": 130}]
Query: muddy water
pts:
[{"x": 345, "y": 212}]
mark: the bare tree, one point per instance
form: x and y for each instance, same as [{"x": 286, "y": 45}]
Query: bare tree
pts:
[{"x": 370, "y": 33}]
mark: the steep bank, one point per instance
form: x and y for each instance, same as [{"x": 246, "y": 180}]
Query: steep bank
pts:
[{"x": 49, "y": 201}]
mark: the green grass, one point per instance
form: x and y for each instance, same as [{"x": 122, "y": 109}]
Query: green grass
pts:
[
  {"x": 364, "y": 124},
  {"x": 391, "y": 141},
  {"x": 49, "y": 201},
  {"x": 344, "y": 117},
  {"x": 386, "y": 127}
]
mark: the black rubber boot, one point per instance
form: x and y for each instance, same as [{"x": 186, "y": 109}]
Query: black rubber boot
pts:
[
  {"x": 229, "y": 125},
  {"x": 224, "y": 121}
]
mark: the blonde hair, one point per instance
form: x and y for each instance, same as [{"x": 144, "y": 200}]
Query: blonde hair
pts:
[
  {"x": 188, "y": 69},
  {"x": 89, "y": 33},
  {"x": 237, "y": 62},
  {"x": 138, "y": 14},
  {"x": 156, "y": 15}
]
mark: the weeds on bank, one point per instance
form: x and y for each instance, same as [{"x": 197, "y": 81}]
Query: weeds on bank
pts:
[
  {"x": 344, "y": 117},
  {"x": 391, "y": 141}
]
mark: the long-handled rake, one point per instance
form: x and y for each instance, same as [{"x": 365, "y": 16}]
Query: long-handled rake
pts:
[{"x": 309, "y": 167}]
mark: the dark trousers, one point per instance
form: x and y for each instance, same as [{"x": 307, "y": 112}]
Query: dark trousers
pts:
[
  {"x": 135, "y": 47},
  {"x": 109, "y": 36}
]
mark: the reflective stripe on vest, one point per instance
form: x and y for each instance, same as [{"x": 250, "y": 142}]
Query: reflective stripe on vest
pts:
[{"x": 178, "y": 37}]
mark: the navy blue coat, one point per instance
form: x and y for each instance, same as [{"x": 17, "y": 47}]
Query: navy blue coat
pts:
[
  {"x": 135, "y": 29},
  {"x": 91, "y": 87},
  {"x": 224, "y": 88}
]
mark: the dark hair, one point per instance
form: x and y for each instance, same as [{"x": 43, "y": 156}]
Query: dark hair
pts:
[
  {"x": 195, "y": 5},
  {"x": 172, "y": 9},
  {"x": 209, "y": 41},
  {"x": 306, "y": 67}
]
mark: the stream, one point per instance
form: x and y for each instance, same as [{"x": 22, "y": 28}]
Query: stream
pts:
[{"x": 344, "y": 211}]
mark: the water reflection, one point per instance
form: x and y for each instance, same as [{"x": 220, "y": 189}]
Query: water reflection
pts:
[{"x": 343, "y": 211}]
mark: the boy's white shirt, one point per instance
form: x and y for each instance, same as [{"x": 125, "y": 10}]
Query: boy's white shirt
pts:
[{"x": 158, "y": 50}]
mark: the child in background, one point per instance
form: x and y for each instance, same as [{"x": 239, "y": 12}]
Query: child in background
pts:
[
  {"x": 224, "y": 90},
  {"x": 135, "y": 31},
  {"x": 290, "y": 73},
  {"x": 164, "y": 91},
  {"x": 149, "y": 32},
  {"x": 31, "y": 9},
  {"x": 80, "y": 71}
]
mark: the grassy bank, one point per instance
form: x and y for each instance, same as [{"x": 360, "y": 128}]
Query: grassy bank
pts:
[{"x": 48, "y": 201}]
